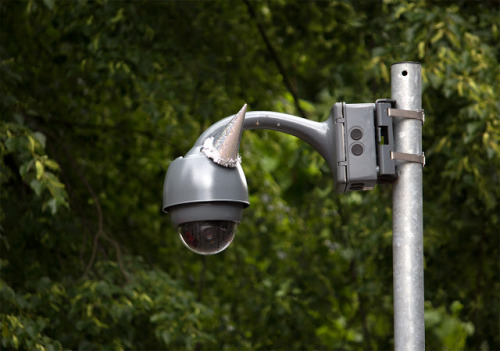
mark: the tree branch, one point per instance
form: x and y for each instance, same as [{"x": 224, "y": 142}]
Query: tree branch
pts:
[
  {"x": 100, "y": 224},
  {"x": 100, "y": 215},
  {"x": 276, "y": 59}
]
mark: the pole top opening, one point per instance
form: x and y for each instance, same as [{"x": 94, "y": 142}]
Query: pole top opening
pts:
[{"x": 407, "y": 62}]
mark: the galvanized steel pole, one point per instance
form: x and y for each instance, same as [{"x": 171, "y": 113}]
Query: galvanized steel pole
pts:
[{"x": 409, "y": 328}]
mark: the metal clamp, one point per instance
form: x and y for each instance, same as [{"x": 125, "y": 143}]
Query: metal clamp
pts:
[
  {"x": 401, "y": 156},
  {"x": 394, "y": 112}
]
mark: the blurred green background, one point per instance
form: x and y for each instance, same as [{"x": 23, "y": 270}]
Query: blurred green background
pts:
[{"x": 98, "y": 97}]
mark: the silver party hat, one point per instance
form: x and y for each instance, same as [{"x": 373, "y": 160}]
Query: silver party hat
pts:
[{"x": 223, "y": 148}]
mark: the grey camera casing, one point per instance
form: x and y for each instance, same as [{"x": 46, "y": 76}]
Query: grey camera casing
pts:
[{"x": 198, "y": 189}]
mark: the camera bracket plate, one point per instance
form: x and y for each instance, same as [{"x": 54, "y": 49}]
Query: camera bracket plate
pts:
[{"x": 411, "y": 114}]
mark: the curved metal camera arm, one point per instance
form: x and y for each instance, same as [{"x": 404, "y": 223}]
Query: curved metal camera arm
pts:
[{"x": 317, "y": 134}]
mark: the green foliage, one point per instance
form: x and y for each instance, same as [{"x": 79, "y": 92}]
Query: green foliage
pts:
[
  {"x": 36, "y": 169},
  {"x": 98, "y": 97},
  {"x": 101, "y": 313},
  {"x": 448, "y": 327}
]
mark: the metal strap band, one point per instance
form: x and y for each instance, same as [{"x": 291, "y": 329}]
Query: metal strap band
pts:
[
  {"x": 394, "y": 112},
  {"x": 401, "y": 156}
]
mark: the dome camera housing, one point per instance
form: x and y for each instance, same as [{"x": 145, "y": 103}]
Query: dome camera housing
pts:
[{"x": 205, "y": 200}]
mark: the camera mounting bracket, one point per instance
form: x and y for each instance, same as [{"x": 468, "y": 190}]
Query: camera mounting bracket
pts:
[{"x": 364, "y": 144}]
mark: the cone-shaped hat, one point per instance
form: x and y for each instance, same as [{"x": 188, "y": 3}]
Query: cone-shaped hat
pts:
[{"x": 223, "y": 148}]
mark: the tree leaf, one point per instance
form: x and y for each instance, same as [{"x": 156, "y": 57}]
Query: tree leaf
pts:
[
  {"x": 39, "y": 169},
  {"x": 37, "y": 186}
]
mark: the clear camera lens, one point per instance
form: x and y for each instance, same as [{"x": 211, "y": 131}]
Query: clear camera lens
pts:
[{"x": 207, "y": 237}]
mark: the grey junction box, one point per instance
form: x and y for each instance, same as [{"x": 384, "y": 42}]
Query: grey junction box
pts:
[{"x": 363, "y": 144}]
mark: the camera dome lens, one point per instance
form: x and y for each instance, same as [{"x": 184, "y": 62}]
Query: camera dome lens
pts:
[
  {"x": 207, "y": 237},
  {"x": 208, "y": 234}
]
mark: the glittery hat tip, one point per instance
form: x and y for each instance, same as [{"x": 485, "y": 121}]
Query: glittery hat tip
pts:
[{"x": 223, "y": 148}]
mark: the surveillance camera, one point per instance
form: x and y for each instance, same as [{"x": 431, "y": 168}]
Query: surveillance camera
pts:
[{"x": 205, "y": 201}]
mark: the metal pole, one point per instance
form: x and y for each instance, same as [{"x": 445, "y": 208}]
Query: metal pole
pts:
[{"x": 407, "y": 207}]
